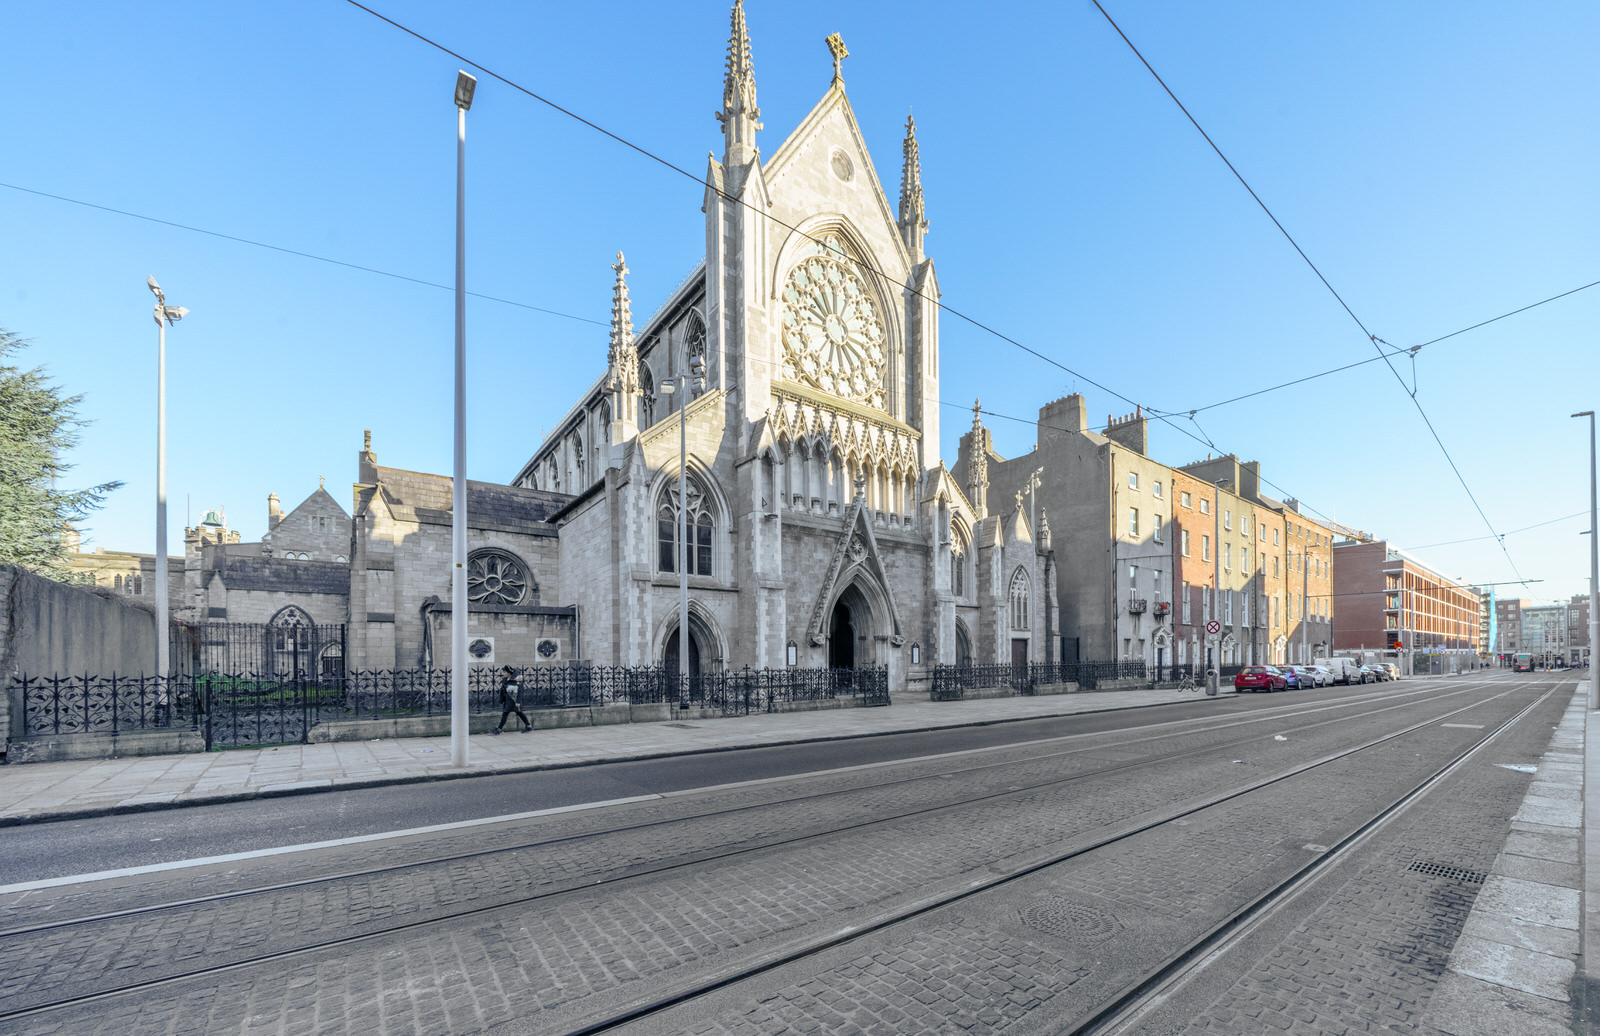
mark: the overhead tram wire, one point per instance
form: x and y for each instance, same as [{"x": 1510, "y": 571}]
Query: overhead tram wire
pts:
[
  {"x": 870, "y": 268},
  {"x": 1513, "y": 532},
  {"x": 1377, "y": 343},
  {"x": 296, "y": 252}
]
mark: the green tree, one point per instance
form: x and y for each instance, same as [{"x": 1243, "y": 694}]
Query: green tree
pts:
[{"x": 37, "y": 426}]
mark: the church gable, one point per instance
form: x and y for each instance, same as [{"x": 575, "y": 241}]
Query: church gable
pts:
[
  {"x": 824, "y": 168},
  {"x": 318, "y": 528}
]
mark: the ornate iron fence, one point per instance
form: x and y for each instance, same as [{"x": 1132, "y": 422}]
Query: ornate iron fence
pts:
[
  {"x": 104, "y": 704},
  {"x": 256, "y": 708}
]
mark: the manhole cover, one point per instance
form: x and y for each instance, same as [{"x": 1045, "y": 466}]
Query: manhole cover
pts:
[
  {"x": 1071, "y": 921},
  {"x": 1444, "y": 870}
]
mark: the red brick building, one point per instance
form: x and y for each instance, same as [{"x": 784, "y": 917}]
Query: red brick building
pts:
[{"x": 1385, "y": 597}]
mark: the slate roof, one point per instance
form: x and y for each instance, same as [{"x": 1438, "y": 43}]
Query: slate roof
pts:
[
  {"x": 281, "y": 574},
  {"x": 427, "y": 498}
]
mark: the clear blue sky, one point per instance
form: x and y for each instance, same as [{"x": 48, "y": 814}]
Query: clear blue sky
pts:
[{"x": 1436, "y": 160}]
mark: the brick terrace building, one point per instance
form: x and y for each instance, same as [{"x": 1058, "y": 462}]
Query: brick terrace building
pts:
[{"x": 1385, "y": 597}]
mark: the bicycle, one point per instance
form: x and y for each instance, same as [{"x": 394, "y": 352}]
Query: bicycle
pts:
[{"x": 1187, "y": 684}]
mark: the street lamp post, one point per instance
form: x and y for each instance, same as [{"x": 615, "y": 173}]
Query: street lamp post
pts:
[
  {"x": 1214, "y": 671},
  {"x": 465, "y": 86},
  {"x": 164, "y": 315},
  {"x": 670, "y": 386},
  {"x": 1594, "y": 566},
  {"x": 1305, "y": 577}
]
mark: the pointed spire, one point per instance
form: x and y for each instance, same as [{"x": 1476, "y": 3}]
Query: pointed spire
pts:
[
  {"x": 913, "y": 214},
  {"x": 978, "y": 464},
  {"x": 739, "y": 112},
  {"x": 623, "y": 358}
]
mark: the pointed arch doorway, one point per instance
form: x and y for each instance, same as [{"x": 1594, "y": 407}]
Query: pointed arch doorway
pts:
[{"x": 850, "y": 626}]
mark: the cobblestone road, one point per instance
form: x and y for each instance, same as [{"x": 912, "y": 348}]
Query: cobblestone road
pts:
[{"x": 542, "y": 966}]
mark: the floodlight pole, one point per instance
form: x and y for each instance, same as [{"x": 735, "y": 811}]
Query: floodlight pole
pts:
[
  {"x": 465, "y": 86},
  {"x": 164, "y": 315}
]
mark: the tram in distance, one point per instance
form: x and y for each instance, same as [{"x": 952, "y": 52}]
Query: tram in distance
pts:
[{"x": 1522, "y": 663}]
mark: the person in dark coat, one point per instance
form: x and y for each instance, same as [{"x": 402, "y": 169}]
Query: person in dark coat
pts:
[{"x": 508, "y": 700}]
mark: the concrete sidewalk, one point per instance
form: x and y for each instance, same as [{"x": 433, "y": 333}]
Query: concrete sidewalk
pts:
[{"x": 54, "y": 791}]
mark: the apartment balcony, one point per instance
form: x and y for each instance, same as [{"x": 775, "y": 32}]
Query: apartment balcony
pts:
[
  {"x": 1137, "y": 605},
  {"x": 1163, "y": 609}
]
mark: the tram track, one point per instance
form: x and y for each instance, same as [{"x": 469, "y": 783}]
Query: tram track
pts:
[
  {"x": 1276, "y": 718},
  {"x": 759, "y": 966}
]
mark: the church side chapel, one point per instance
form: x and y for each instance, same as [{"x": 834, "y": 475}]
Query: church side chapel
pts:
[{"x": 802, "y": 358}]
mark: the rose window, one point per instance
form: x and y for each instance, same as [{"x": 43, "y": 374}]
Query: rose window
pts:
[
  {"x": 495, "y": 578},
  {"x": 832, "y": 333}
]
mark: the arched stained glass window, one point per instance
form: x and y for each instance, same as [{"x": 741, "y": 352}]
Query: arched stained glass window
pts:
[
  {"x": 700, "y": 529},
  {"x": 1021, "y": 592}
]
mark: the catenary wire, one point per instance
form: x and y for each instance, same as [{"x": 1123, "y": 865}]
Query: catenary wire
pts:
[
  {"x": 295, "y": 252},
  {"x": 1513, "y": 532},
  {"x": 1377, "y": 343}
]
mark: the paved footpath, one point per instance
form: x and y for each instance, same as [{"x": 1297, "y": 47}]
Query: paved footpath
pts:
[{"x": 55, "y": 791}]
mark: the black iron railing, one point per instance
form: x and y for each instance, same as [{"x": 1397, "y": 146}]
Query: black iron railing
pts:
[
  {"x": 952, "y": 682},
  {"x": 274, "y": 708},
  {"x": 53, "y": 705}
]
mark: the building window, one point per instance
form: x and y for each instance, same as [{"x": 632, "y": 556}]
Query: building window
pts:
[
  {"x": 958, "y": 561},
  {"x": 1205, "y": 604},
  {"x": 1019, "y": 600},
  {"x": 1184, "y": 537},
  {"x": 1133, "y": 582},
  {"x": 1227, "y": 519},
  {"x": 1205, "y": 548},
  {"x": 1184, "y": 610},
  {"x": 495, "y": 577},
  {"x": 1185, "y": 499},
  {"x": 1227, "y": 556},
  {"x": 1244, "y": 524},
  {"x": 1274, "y": 568},
  {"x": 1133, "y": 480},
  {"x": 1155, "y": 489},
  {"x": 1274, "y": 537},
  {"x": 1229, "y": 599},
  {"x": 1244, "y": 559},
  {"x": 700, "y": 525},
  {"x": 1155, "y": 528},
  {"x": 1133, "y": 521},
  {"x": 1205, "y": 506}
]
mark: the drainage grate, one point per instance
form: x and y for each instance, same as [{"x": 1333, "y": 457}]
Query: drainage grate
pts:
[
  {"x": 1441, "y": 870},
  {"x": 1071, "y": 921}
]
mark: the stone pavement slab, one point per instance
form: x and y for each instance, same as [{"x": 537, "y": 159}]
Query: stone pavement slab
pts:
[{"x": 50, "y": 791}]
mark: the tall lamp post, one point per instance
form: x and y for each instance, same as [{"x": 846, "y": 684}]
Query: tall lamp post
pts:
[
  {"x": 697, "y": 371},
  {"x": 1214, "y": 670},
  {"x": 164, "y": 315},
  {"x": 1594, "y": 566},
  {"x": 465, "y": 85}
]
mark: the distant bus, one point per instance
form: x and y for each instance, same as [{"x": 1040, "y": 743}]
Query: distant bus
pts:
[{"x": 1522, "y": 663}]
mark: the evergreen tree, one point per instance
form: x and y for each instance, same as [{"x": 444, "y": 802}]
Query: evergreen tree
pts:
[{"x": 37, "y": 426}]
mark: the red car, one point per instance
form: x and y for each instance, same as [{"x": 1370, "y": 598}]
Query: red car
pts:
[{"x": 1260, "y": 678}]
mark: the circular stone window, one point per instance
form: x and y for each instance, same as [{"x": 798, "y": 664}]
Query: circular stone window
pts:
[
  {"x": 495, "y": 577},
  {"x": 843, "y": 168}
]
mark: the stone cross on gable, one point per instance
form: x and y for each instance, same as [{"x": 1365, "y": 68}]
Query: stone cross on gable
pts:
[{"x": 837, "y": 48}]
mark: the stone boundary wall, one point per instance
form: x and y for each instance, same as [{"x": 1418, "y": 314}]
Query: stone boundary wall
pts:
[{"x": 49, "y": 628}]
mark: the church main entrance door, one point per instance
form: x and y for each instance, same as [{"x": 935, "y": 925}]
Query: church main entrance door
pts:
[{"x": 842, "y": 638}]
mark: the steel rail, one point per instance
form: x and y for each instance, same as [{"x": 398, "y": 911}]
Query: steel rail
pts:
[
  {"x": 1308, "y": 708},
  {"x": 912, "y": 910},
  {"x": 981, "y": 886},
  {"x": 1135, "y": 1000}
]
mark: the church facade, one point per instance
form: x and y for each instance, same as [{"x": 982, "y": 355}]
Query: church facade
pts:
[
  {"x": 772, "y": 430},
  {"x": 802, "y": 360}
]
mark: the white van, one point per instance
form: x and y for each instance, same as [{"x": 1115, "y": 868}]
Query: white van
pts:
[{"x": 1345, "y": 670}]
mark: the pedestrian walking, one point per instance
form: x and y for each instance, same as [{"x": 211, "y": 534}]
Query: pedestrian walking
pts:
[{"x": 508, "y": 701}]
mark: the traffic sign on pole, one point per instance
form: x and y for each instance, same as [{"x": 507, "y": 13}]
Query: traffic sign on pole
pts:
[{"x": 1213, "y": 627}]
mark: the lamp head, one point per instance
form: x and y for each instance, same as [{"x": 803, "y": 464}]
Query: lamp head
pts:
[
  {"x": 1584, "y": 413},
  {"x": 154, "y": 287},
  {"x": 465, "y": 85},
  {"x": 668, "y": 387}
]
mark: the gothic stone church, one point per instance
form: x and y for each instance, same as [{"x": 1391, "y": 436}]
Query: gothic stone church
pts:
[{"x": 823, "y": 529}]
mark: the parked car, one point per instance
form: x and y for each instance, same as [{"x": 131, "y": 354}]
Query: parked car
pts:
[
  {"x": 1375, "y": 674},
  {"x": 1259, "y": 678},
  {"x": 1345, "y": 670},
  {"x": 1390, "y": 668},
  {"x": 1323, "y": 674},
  {"x": 1299, "y": 677}
]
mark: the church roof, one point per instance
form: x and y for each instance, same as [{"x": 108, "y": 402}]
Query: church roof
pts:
[
  {"x": 281, "y": 574},
  {"x": 420, "y": 497}
]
